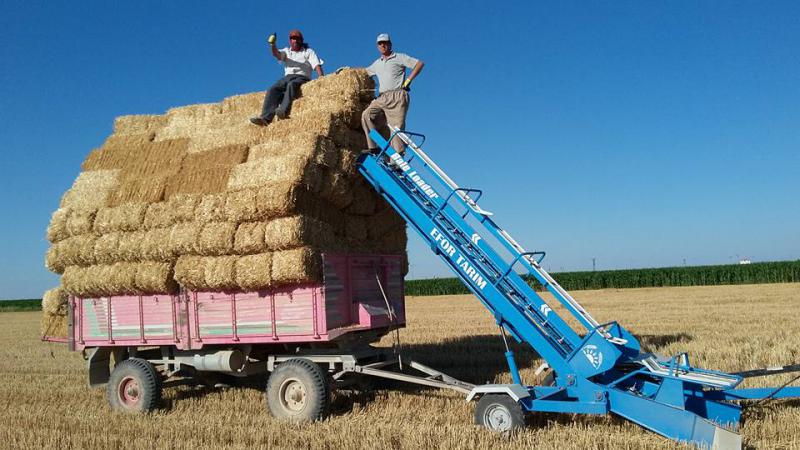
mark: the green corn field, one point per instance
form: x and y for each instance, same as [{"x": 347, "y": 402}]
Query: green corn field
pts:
[{"x": 765, "y": 272}]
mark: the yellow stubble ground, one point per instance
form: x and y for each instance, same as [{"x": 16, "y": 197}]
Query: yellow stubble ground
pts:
[{"x": 45, "y": 402}]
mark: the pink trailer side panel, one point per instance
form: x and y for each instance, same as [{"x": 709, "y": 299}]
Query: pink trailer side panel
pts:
[{"x": 349, "y": 300}]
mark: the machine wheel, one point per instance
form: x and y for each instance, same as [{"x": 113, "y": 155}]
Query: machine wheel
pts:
[
  {"x": 500, "y": 413},
  {"x": 298, "y": 390},
  {"x": 134, "y": 386}
]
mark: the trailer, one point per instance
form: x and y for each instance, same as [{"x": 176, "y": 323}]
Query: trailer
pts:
[{"x": 310, "y": 339}]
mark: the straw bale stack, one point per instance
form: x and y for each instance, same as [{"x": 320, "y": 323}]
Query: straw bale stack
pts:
[
  {"x": 200, "y": 198},
  {"x": 54, "y": 313}
]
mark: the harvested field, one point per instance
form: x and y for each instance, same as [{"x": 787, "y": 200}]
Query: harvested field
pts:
[{"x": 47, "y": 404}]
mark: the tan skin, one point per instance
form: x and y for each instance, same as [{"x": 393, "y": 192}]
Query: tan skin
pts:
[
  {"x": 385, "y": 48},
  {"x": 295, "y": 43}
]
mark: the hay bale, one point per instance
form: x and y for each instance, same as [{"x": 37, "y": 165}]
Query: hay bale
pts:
[
  {"x": 356, "y": 228},
  {"x": 253, "y": 272},
  {"x": 220, "y": 273},
  {"x": 364, "y": 200},
  {"x": 57, "y": 229},
  {"x": 129, "y": 247},
  {"x": 155, "y": 158},
  {"x": 73, "y": 251},
  {"x": 117, "y": 279},
  {"x": 211, "y": 208},
  {"x": 242, "y": 105},
  {"x": 157, "y": 215},
  {"x": 127, "y": 217},
  {"x": 297, "y": 169},
  {"x": 337, "y": 189},
  {"x": 216, "y": 238},
  {"x": 155, "y": 245},
  {"x": 183, "y": 206},
  {"x": 107, "y": 248},
  {"x": 190, "y": 272},
  {"x": 278, "y": 199},
  {"x": 54, "y": 326},
  {"x": 383, "y": 223},
  {"x": 139, "y": 190},
  {"x": 183, "y": 238},
  {"x": 53, "y": 262},
  {"x": 296, "y": 231},
  {"x": 296, "y": 266},
  {"x": 321, "y": 149},
  {"x": 155, "y": 278},
  {"x": 249, "y": 238},
  {"x": 200, "y": 181},
  {"x": 116, "y": 152},
  {"x": 241, "y": 206},
  {"x": 80, "y": 222},
  {"x": 347, "y": 162},
  {"x": 91, "y": 190},
  {"x": 224, "y": 156},
  {"x": 55, "y": 302},
  {"x": 394, "y": 242},
  {"x": 139, "y": 124}
]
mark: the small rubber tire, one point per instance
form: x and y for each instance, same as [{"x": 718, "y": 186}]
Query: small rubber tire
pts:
[
  {"x": 298, "y": 390},
  {"x": 499, "y": 413},
  {"x": 134, "y": 386}
]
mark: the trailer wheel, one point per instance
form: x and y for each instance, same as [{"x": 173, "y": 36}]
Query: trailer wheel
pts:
[
  {"x": 298, "y": 390},
  {"x": 500, "y": 413},
  {"x": 134, "y": 386}
]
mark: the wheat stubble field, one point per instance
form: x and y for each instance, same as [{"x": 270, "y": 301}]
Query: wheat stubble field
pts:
[{"x": 45, "y": 402}]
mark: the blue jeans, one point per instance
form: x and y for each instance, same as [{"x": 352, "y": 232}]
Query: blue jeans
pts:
[{"x": 280, "y": 95}]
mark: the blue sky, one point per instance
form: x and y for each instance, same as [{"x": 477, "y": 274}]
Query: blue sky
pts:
[{"x": 639, "y": 133}]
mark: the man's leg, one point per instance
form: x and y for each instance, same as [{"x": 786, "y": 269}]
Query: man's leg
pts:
[
  {"x": 373, "y": 118},
  {"x": 292, "y": 90},
  {"x": 396, "y": 109},
  {"x": 273, "y": 99}
]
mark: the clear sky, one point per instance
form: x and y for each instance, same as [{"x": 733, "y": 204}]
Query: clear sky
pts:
[{"x": 640, "y": 133}]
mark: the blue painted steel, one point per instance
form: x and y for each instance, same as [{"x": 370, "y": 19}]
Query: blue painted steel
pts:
[{"x": 598, "y": 369}]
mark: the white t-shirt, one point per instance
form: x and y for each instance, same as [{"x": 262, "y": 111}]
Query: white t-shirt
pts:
[{"x": 300, "y": 62}]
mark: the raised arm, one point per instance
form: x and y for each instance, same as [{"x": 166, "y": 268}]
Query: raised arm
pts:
[{"x": 320, "y": 72}]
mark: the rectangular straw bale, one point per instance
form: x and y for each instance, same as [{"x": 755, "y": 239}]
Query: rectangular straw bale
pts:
[
  {"x": 364, "y": 200},
  {"x": 211, "y": 208},
  {"x": 183, "y": 206},
  {"x": 337, "y": 189},
  {"x": 129, "y": 247},
  {"x": 216, "y": 238},
  {"x": 347, "y": 162},
  {"x": 90, "y": 190},
  {"x": 93, "y": 281},
  {"x": 75, "y": 251},
  {"x": 394, "y": 242},
  {"x": 118, "y": 279},
  {"x": 116, "y": 152},
  {"x": 107, "y": 249},
  {"x": 242, "y": 205},
  {"x": 249, "y": 238},
  {"x": 298, "y": 169},
  {"x": 253, "y": 271},
  {"x": 383, "y": 223},
  {"x": 296, "y": 266},
  {"x": 162, "y": 158},
  {"x": 190, "y": 272},
  {"x": 224, "y": 156},
  {"x": 321, "y": 149},
  {"x": 220, "y": 272},
  {"x": 126, "y": 217},
  {"x": 356, "y": 228},
  {"x": 244, "y": 105},
  {"x": 80, "y": 222},
  {"x": 183, "y": 238},
  {"x": 53, "y": 325},
  {"x": 139, "y": 190},
  {"x": 155, "y": 278},
  {"x": 139, "y": 124},
  {"x": 158, "y": 215},
  {"x": 186, "y": 121},
  {"x": 353, "y": 142},
  {"x": 296, "y": 231},
  {"x": 52, "y": 261},
  {"x": 201, "y": 181},
  {"x": 155, "y": 245},
  {"x": 57, "y": 229},
  {"x": 278, "y": 199},
  {"x": 54, "y": 301}
]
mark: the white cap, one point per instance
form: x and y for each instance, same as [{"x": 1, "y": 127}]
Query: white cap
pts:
[{"x": 383, "y": 37}]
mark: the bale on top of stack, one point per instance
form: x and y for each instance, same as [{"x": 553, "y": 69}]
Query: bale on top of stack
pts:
[{"x": 201, "y": 198}]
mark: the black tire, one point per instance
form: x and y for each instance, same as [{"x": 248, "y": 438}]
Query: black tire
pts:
[
  {"x": 298, "y": 390},
  {"x": 500, "y": 413},
  {"x": 134, "y": 386}
]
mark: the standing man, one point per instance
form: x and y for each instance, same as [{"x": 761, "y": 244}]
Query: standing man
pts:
[
  {"x": 391, "y": 106},
  {"x": 298, "y": 59}
]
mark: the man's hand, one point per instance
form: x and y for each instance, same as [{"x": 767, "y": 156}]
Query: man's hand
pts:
[
  {"x": 407, "y": 84},
  {"x": 271, "y": 39}
]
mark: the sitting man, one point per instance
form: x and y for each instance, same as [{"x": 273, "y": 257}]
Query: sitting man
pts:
[{"x": 298, "y": 59}]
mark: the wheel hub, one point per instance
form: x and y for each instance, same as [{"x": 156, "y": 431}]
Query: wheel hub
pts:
[
  {"x": 293, "y": 395},
  {"x": 129, "y": 392},
  {"x": 498, "y": 418}
]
